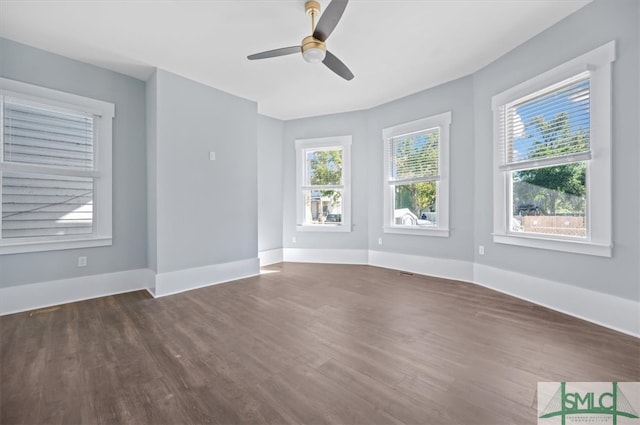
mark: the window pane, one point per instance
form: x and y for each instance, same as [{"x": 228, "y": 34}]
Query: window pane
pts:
[
  {"x": 323, "y": 206},
  {"x": 37, "y": 135},
  {"x": 39, "y": 205},
  {"x": 554, "y": 123},
  {"x": 550, "y": 200},
  {"x": 324, "y": 167},
  {"x": 415, "y": 204},
  {"x": 415, "y": 156}
]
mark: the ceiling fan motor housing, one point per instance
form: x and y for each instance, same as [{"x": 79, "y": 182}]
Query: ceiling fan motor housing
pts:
[{"x": 313, "y": 50}]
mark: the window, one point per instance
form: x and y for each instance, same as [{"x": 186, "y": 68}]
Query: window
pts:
[
  {"x": 55, "y": 169},
  {"x": 323, "y": 182},
  {"x": 416, "y": 163},
  {"x": 552, "y": 167}
]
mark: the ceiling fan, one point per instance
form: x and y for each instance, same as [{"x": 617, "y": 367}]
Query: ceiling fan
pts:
[{"x": 313, "y": 47}]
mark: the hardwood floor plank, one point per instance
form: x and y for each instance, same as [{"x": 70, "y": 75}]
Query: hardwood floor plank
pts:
[
  {"x": 385, "y": 397},
  {"x": 304, "y": 344}
]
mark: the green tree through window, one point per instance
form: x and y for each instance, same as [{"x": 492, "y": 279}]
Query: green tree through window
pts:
[
  {"x": 559, "y": 188},
  {"x": 326, "y": 169}
]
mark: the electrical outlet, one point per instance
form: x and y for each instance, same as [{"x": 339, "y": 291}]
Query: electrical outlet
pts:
[
  {"x": 293, "y": 239},
  {"x": 212, "y": 156},
  {"x": 481, "y": 249},
  {"x": 379, "y": 241},
  {"x": 82, "y": 261}
]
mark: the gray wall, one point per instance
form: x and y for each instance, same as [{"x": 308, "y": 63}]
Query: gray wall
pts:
[
  {"x": 590, "y": 27},
  {"x": 270, "y": 137},
  {"x": 151, "y": 89},
  {"x": 129, "y": 250},
  {"x": 457, "y": 97},
  {"x": 206, "y": 211},
  {"x": 351, "y": 123},
  {"x": 367, "y": 173},
  {"x": 638, "y": 121}
]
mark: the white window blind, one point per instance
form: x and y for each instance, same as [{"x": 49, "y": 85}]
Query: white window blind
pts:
[
  {"x": 39, "y": 205},
  {"x": 414, "y": 157},
  {"x": 46, "y": 136},
  {"x": 546, "y": 128},
  {"x": 48, "y": 182}
]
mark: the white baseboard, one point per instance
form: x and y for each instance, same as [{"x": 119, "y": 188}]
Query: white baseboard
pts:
[
  {"x": 184, "y": 280},
  {"x": 15, "y": 299},
  {"x": 327, "y": 256},
  {"x": 430, "y": 266},
  {"x": 270, "y": 256},
  {"x": 603, "y": 309}
]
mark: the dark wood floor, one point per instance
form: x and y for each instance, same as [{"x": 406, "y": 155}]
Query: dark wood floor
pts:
[{"x": 308, "y": 344}]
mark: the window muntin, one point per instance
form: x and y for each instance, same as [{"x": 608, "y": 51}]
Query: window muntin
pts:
[
  {"x": 552, "y": 166},
  {"x": 416, "y": 176},
  {"x": 323, "y": 183},
  {"x": 55, "y": 169}
]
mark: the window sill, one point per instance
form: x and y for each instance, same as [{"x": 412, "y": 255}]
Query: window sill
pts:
[
  {"x": 323, "y": 228},
  {"x": 576, "y": 247},
  {"x": 417, "y": 231},
  {"x": 24, "y": 247}
]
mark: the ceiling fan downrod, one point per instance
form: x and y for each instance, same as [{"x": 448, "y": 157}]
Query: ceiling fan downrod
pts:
[
  {"x": 313, "y": 50},
  {"x": 312, "y": 8}
]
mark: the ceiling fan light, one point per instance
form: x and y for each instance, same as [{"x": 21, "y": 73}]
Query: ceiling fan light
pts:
[
  {"x": 314, "y": 55},
  {"x": 313, "y": 51}
]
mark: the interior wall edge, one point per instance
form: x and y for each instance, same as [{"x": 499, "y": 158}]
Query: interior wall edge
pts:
[
  {"x": 270, "y": 256},
  {"x": 173, "y": 282}
]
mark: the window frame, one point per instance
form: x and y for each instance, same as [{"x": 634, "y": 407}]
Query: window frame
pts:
[
  {"x": 304, "y": 145},
  {"x": 101, "y": 172},
  {"x": 598, "y": 174},
  {"x": 443, "y": 122}
]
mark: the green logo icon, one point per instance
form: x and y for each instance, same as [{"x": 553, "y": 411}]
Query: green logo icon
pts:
[{"x": 587, "y": 403}]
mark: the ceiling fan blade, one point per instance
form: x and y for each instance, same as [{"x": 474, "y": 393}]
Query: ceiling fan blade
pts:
[
  {"x": 329, "y": 19},
  {"x": 276, "y": 52},
  {"x": 336, "y": 65}
]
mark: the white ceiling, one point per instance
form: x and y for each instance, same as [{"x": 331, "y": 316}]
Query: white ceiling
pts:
[{"x": 394, "y": 48}]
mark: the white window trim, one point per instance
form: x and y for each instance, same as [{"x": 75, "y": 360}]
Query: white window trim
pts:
[
  {"x": 599, "y": 180},
  {"x": 443, "y": 121},
  {"x": 102, "y": 235},
  {"x": 338, "y": 141}
]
